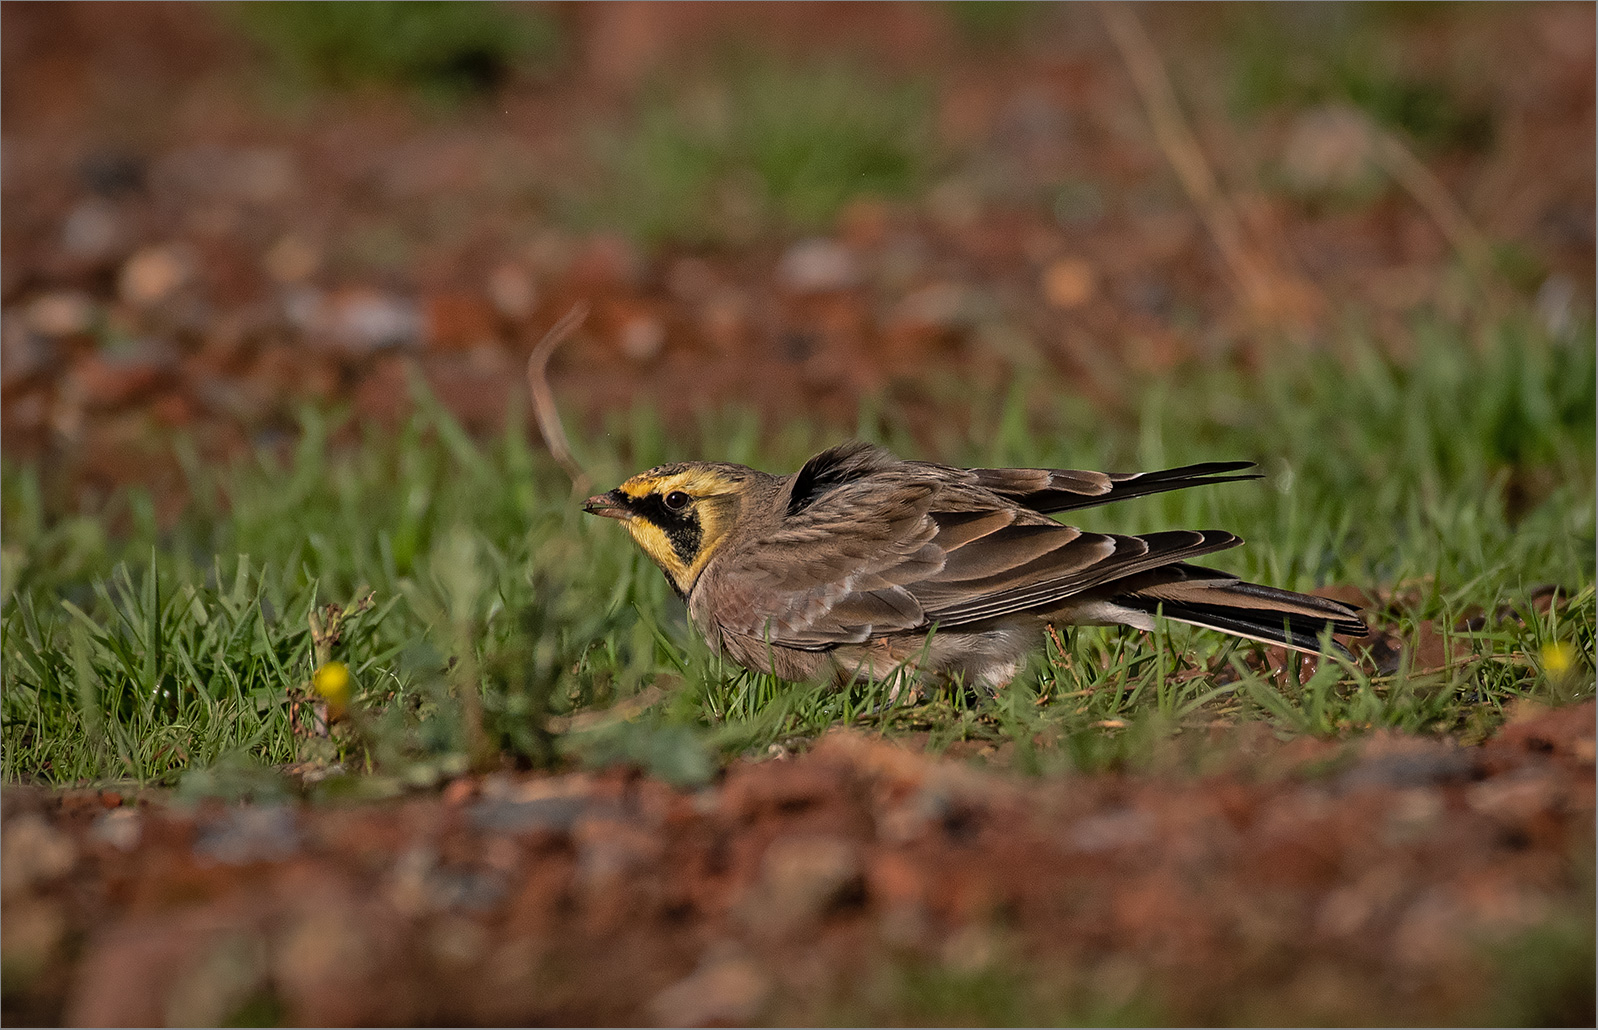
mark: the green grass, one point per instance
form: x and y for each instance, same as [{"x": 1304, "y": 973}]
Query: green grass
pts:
[
  {"x": 762, "y": 147},
  {"x": 1546, "y": 973},
  {"x": 1302, "y": 55},
  {"x": 1004, "y": 990},
  {"x": 1460, "y": 479},
  {"x": 996, "y": 24},
  {"x": 445, "y": 52}
]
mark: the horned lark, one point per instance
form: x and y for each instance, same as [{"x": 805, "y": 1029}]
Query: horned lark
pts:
[{"x": 861, "y": 564}]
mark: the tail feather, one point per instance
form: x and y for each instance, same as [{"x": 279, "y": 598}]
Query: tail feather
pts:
[
  {"x": 1142, "y": 484},
  {"x": 1051, "y": 491},
  {"x": 1291, "y": 631},
  {"x": 1213, "y": 600}
]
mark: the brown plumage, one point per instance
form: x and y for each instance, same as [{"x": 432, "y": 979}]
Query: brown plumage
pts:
[{"x": 861, "y": 564}]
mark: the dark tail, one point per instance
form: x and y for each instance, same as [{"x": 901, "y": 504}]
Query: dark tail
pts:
[
  {"x": 1056, "y": 490},
  {"x": 1214, "y": 600}
]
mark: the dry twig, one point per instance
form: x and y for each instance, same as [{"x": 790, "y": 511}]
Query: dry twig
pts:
[
  {"x": 1265, "y": 290},
  {"x": 544, "y": 409},
  {"x": 327, "y": 628},
  {"x": 1429, "y": 192},
  {"x": 621, "y": 711}
]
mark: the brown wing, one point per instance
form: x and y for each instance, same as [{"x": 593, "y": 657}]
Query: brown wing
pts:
[
  {"x": 1042, "y": 490},
  {"x": 837, "y": 571},
  {"x": 1005, "y": 579},
  {"x": 1056, "y": 490},
  {"x": 873, "y": 557}
]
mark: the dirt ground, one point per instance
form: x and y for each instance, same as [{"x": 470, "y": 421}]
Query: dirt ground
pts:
[{"x": 1392, "y": 881}]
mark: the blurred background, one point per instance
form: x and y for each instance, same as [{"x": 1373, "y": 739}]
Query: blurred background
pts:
[
  {"x": 255, "y": 256},
  {"x": 215, "y": 214}
]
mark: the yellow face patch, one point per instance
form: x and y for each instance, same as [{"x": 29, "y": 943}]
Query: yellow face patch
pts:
[{"x": 679, "y": 518}]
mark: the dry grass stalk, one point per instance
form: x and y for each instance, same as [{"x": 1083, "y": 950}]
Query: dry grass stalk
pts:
[
  {"x": 1429, "y": 192},
  {"x": 544, "y": 409},
  {"x": 1266, "y": 291}
]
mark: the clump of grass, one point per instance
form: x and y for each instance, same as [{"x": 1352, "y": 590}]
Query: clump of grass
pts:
[
  {"x": 987, "y": 984},
  {"x": 1303, "y": 55},
  {"x": 1545, "y": 974},
  {"x": 444, "y": 51},
  {"x": 504, "y": 621},
  {"x": 992, "y": 24},
  {"x": 141, "y": 670},
  {"x": 764, "y": 147}
]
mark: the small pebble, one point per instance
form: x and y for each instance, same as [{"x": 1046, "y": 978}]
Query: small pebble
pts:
[
  {"x": 119, "y": 828},
  {"x": 817, "y": 266},
  {"x": 153, "y": 274}
]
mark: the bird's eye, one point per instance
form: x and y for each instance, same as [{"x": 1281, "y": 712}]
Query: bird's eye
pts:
[{"x": 676, "y": 500}]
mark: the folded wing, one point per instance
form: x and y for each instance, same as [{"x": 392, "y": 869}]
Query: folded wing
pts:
[
  {"x": 874, "y": 558},
  {"x": 1056, "y": 490},
  {"x": 871, "y": 546}
]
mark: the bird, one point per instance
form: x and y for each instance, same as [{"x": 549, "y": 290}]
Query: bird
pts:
[{"x": 863, "y": 565}]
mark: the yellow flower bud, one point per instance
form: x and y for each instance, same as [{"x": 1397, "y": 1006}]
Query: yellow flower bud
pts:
[
  {"x": 332, "y": 681},
  {"x": 1558, "y": 658}
]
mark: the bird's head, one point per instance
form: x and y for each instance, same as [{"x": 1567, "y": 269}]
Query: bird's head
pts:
[{"x": 679, "y": 514}]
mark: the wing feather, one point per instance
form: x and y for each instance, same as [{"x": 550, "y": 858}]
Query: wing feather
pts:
[
  {"x": 1056, "y": 490},
  {"x": 871, "y": 546},
  {"x": 836, "y": 572},
  {"x": 1126, "y": 556},
  {"x": 1005, "y": 550}
]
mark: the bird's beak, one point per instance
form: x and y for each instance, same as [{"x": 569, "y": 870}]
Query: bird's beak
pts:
[{"x": 608, "y": 506}]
